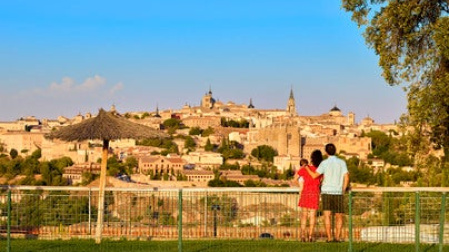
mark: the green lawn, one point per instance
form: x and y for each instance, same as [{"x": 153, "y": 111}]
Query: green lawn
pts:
[{"x": 204, "y": 246}]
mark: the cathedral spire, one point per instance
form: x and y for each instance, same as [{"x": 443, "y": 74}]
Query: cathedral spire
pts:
[
  {"x": 157, "y": 111},
  {"x": 291, "y": 104},
  {"x": 250, "y": 103}
]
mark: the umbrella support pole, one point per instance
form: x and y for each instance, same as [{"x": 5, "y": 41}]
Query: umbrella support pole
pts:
[{"x": 104, "y": 161}]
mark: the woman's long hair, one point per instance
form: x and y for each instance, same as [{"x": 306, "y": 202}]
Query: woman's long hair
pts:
[{"x": 316, "y": 157}]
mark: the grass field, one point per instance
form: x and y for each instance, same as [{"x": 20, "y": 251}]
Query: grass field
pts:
[{"x": 204, "y": 246}]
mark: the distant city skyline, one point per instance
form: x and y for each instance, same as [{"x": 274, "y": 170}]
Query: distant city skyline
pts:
[{"x": 65, "y": 58}]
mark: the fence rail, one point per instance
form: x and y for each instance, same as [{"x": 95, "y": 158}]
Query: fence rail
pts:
[{"x": 392, "y": 215}]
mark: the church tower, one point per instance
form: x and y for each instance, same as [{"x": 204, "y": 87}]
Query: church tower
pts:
[
  {"x": 208, "y": 101},
  {"x": 291, "y": 106}
]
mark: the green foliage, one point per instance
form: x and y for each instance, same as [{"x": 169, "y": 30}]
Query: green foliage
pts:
[
  {"x": 206, "y": 245},
  {"x": 242, "y": 123},
  {"x": 223, "y": 183},
  {"x": 61, "y": 163},
  {"x": 391, "y": 150},
  {"x": 51, "y": 171},
  {"x": 131, "y": 163},
  {"x": 172, "y": 125},
  {"x": 266, "y": 171},
  {"x": 360, "y": 173},
  {"x": 411, "y": 39},
  {"x": 252, "y": 183},
  {"x": 227, "y": 166},
  {"x": 209, "y": 146},
  {"x": 195, "y": 131},
  {"x": 380, "y": 142},
  {"x": 86, "y": 178},
  {"x": 189, "y": 143},
  {"x": 37, "y": 154},
  {"x": 207, "y": 132},
  {"x": 116, "y": 167},
  {"x": 232, "y": 150},
  {"x": 29, "y": 166},
  {"x": 166, "y": 143},
  {"x": 13, "y": 153},
  {"x": 287, "y": 174},
  {"x": 264, "y": 152},
  {"x": 65, "y": 210},
  {"x": 225, "y": 207}
]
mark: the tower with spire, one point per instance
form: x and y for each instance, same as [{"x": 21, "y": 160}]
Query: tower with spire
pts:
[
  {"x": 208, "y": 101},
  {"x": 250, "y": 106},
  {"x": 291, "y": 105},
  {"x": 157, "y": 111}
]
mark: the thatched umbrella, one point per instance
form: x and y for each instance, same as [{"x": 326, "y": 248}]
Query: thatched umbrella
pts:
[{"x": 105, "y": 126}]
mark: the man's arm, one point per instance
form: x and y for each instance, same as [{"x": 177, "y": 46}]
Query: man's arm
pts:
[
  {"x": 314, "y": 174},
  {"x": 345, "y": 181}
]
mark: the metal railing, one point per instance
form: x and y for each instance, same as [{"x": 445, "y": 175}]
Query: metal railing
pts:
[{"x": 386, "y": 215}]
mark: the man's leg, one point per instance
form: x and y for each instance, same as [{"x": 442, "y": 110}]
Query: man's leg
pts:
[
  {"x": 338, "y": 225},
  {"x": 327, "y": 224}
]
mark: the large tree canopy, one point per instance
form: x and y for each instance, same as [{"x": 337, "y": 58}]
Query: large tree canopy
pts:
[{"x": 411, "y": 38}]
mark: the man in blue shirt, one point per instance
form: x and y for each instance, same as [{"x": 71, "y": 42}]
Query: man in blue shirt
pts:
[{"x": 334, "y": 184}]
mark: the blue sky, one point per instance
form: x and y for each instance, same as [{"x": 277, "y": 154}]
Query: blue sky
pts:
[{"x": 70, "y": 57}]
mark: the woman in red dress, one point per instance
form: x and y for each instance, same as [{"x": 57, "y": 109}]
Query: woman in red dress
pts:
[{"x": 310, "y": 195}]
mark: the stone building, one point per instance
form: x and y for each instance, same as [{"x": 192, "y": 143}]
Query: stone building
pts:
[
  {"x": 20, "y": 125},
  {"x": 284, "y": 162},
  {"x": 74, "y": 173},
  {"x": 161, "y": 164},
  {"x": 204, "y": 160},
  {"x": 284, "y": 137},
  {"x": 22, "y": 141},
  {"x": 237, "y": 176},
  {"x": 202, "y": 122},
  {"x": 198, "y": 175},
  {"x": 208, "y": 101},
  {"x": 350, "y": 145}
]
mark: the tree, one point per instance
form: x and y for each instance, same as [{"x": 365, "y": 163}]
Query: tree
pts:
[
  {"x": 172, "y": 123},
  {"x": 13, "y": 153},
  {"x": 380, "y": 142},
  {"x": 264, "y": 152},
  {"x": 37, "y": 154},
  {"x": 411, "y": 39},
  {"x": 145, "y": 115},
  {"x": 207, "y": 132},
  {"x": 114, "y": 166},
  {"x": 131, "y": 163},
  {"x": 195, "y": 131},
  {"x": 189, "y": 143},
  {"x": 208, "y": 146}
]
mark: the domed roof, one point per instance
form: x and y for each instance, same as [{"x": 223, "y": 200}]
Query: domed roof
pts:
[{"x": 335, "y": 108}]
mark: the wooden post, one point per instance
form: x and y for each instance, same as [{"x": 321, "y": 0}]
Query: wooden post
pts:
[{"x": 104, "y": 162}]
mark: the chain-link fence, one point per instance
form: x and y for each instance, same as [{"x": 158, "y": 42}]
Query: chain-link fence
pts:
[{"x": 385, "y": 215}]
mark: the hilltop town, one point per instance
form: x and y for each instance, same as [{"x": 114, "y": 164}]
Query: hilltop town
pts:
[{"x": 220, "y": 142}]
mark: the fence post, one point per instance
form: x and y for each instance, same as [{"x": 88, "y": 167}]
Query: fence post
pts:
[
  {"x": 350, "y": 221},
  {"x": 90, "y": 213},
  {"x": 8, "y": 241},
  {"x": 180, "y": 221},
  {"x": 417, "y": 220},
  {"x": 205, "y": 213},
  {"x": 442, "y": 220}
]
